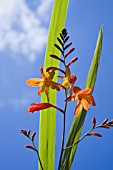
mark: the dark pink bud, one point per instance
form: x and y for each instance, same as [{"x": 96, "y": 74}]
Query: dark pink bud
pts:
[
  {"x": 95, "y": 134},
  {"x": 28, "y": 133},
  {"x": 54, "y": 68},
  {"x": 64, "y": 32},
  {"x": 68, "y": 45},
  {"x": 69, "y": 52},
  {"x": 105, "y": 126},
  {"x": 58, "y": 48},
  {"x": 56, "y": 57},
  {"x": 105, "y": 121},
  {"x": 111, "y": 122},
  {"x": 33, "y": 136},
  {"x": 72, "y": 61},
  {"x": 30, "y": 147},
  {"x": 94, "y": 123},
  {"x": 59, "y": 40},
  {"x": 23, "y": 132}
]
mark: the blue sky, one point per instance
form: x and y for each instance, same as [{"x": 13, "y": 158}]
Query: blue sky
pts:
[{"x": 23, "y": 34}]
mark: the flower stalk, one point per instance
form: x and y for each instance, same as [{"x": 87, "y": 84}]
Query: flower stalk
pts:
[
  {"x": 105, "y": 124},
  {"x": 84, "y": 99},
  {"x": 33, "y": 147}
]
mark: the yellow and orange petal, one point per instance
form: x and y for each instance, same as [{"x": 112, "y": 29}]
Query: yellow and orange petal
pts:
[
  {"x": 86, "y": 91},
  {"x": 78, "y": 108},
  {"x": 34, "y": 82},
  {"x": 40, "y": 90},
  {"x": 42, "y": 72}
]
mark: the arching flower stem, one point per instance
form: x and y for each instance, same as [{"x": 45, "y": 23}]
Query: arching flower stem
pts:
[{"x": 64, "y": 118}]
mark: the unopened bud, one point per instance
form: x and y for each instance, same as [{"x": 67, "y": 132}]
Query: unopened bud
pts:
[
  {"x": 94, "y": 134},
  {"x": 23, "y": 132},
  {"x": 94, "y": 123},
  {"x": 72, "y": 61},
  {"x": 105, "y": 126},
  {"x": 33, "y": 136},
  {"x": 105, "y": 121},
  {"x": 30, "y": 147},
  {"x": 64, "y": 32},
  {"x": 28, "y": 133}
]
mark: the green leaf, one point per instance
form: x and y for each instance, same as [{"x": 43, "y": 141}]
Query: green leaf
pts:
[
  {"x": 48, "y": 117},
  {"x": 78, "y": 122}
]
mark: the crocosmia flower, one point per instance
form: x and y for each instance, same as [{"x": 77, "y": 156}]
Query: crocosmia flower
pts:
[
  {"x": 84, "y": 99},
  {"x": 44, "y": 83}
]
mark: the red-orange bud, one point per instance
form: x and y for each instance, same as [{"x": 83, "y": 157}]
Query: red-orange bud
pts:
[
  {"x": 72, "y": 61},
  {"x": 94, "y": 123},
  {"x": 30, "y": 147},
  {"x": 41, "y": 106},
  {"x": 105, "y": 121},
  {"x": 33, "y": 136},
  {"x": 94, "y": 134}
]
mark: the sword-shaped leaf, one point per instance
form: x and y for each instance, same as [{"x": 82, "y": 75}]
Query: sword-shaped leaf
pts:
[{"x": 48, "y": 117}]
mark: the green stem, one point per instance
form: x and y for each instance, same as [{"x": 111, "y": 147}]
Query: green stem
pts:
[
  {"x": 63, "y": 136},
  {"x": 37, "y": 154},
  {"x": 86, "y": 134}
]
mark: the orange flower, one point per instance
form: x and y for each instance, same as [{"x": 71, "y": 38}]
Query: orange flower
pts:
[
  {"x": 41, "y": 106},
  {"x": 69, "y": 80},
  {"x": 45, "y": 82},
  {"x": 84, "y": 99}
]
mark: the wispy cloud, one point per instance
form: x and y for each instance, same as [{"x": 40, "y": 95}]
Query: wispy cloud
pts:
[
  {"x": 15, "y": 103},
  {"x": 23, "y": 30}
]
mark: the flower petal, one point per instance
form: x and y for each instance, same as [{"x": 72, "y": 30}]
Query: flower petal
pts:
[
  {"x": 71, "y": 89},
  {"x": 34, "y": 82},
  {"x": 71, "y": 98},
  {"x": 51, "y": 74},
  {"x": 90, "y": 99},
  {"x": 86, "y": 91},
  {"x": 85, "y": 104},
  {"x": 42, "y": 72},
  {"x": 65, "y": 83},
  {"x": 78, "y": 108},
  {"x": 40, "y": 90},
  {"x": 41, "y": 106},
  {"x": 55, "y": 86},
  {"x": 76, "y": 89}
]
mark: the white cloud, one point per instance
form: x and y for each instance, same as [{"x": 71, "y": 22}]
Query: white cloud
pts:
[
  {"x": 22, "y": 30},
  {"x": 15, "y": 103},
  {"x": 18, "y": 102},
  {"x": 44, "y": 7}
]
